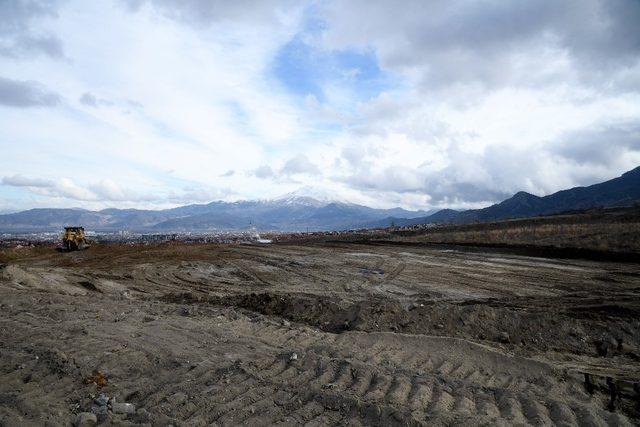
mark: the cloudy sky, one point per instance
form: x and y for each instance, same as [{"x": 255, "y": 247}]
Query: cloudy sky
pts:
[{"x": 157, "y": 103}]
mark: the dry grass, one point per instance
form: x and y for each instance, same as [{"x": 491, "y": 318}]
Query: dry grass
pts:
[
  {"x": 25, "y": 252},
  {"x": 7, "y": 255},
  {"x": 618, "y": 237}
]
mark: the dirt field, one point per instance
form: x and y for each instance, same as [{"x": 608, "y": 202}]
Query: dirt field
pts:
[{"x": 317, "y": 334}]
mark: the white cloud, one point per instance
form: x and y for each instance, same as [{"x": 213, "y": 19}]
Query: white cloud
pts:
[
  {"x": 493, "y": 43},
  {"x": 159, "y": 103},
  {"x": 19, "y": 36},
  {"x": 263, "y": 171},
  {"x": 300, "y": 164},
  {"x": 100, "y": 193},
  {"x": 23, "y": 181},
  {"x": 24, "y": 94}
]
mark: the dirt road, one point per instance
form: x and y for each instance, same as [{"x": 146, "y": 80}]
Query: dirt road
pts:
[{"x": 317, "y": 334}]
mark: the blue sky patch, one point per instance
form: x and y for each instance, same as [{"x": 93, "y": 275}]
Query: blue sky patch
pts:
[{"x": 305, "y": 70}]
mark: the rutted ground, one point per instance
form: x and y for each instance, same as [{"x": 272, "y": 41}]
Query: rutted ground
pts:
[{"x": 319, "y": 334}]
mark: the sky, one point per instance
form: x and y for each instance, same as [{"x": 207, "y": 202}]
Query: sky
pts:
[{"x": 157, "y": 103}]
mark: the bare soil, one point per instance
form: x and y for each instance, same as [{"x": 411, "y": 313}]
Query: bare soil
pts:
[{"x": 318, "y": 334}]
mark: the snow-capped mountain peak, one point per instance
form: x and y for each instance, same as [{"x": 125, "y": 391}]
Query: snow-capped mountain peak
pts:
[{"x": 309, "y": 196}]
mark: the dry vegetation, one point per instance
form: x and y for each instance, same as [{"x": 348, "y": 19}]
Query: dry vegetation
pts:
[
  {"x": 612, "y": 230},
  {"x": 597, "y": 236}
]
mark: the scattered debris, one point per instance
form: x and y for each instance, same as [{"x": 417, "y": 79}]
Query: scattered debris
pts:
[
  {"x": 98, "y": 378},
  {"x": 101, "y": 400}
]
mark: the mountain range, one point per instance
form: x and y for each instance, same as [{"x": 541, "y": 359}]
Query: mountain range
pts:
[
  {"x": 294, "y": 213},
  {"x": 621, "y": 191},
  {"x": 299, "y": 213}
]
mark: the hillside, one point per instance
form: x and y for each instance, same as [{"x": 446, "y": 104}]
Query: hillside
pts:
[
  {"x": 288, "y": 214},
  {"x": 621, "y": 191}
]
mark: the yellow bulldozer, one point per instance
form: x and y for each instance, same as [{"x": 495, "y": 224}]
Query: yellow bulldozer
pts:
[{"x": 74, "y": 239}]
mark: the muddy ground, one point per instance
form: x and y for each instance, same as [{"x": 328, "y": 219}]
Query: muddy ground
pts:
[{"x": 317, "y": 334}]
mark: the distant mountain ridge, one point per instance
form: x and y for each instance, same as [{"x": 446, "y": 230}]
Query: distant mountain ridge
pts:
[
  {"x": 288, "y": 213},
  {"x": 296, "y": 212},
  {"x": 621, "y": 191}
]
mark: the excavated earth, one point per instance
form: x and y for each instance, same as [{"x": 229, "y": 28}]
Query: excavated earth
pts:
[{"x": 318, "y": 334}]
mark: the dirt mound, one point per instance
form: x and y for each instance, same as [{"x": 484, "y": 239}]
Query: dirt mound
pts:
[
  {"x": 327, "y": 314},
  {"x": 510, "y": 327}
]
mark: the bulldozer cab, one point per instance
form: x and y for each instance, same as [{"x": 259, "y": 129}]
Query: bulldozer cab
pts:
[{"x": 74, "y": 239}]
